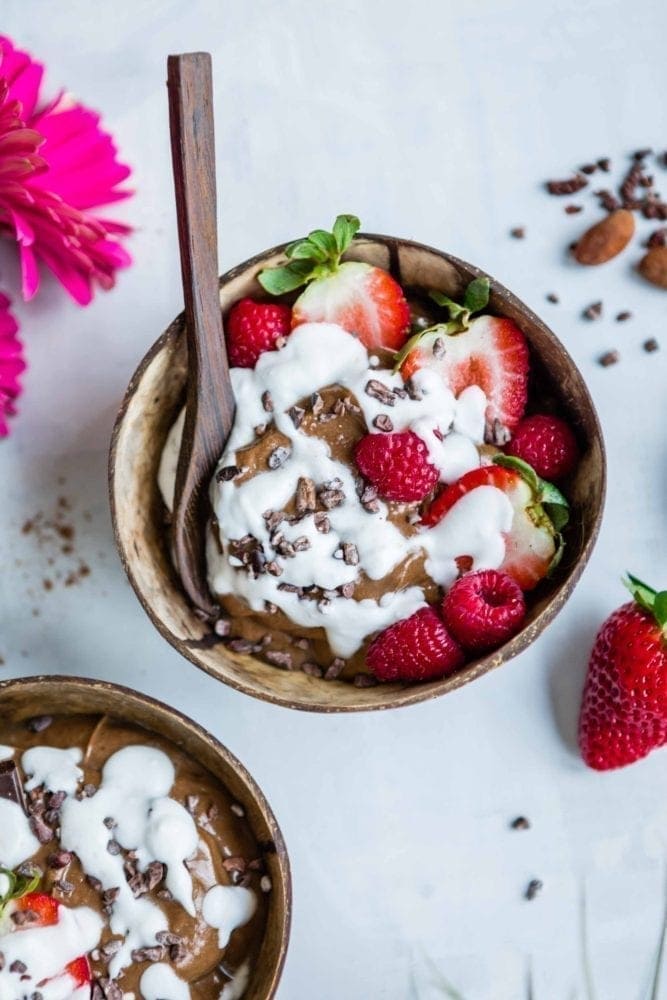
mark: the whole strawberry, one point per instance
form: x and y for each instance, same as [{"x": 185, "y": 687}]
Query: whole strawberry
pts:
[
  {"x": 252, "y": 328},
  {"x": 624, "y": 708},
  {"x": 483, "y": 610},
  {"x": 397, "y": 465},
  {"x": 360, "y": 297},
  {"x": 547, "y": 443},
  {"x": 419, "y": 648}
]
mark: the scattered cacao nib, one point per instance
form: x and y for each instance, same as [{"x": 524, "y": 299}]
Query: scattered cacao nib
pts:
[
  {"x": 177, "y": 952},
  {"x": 137, "y": 884},
  {"x": 270, "y": 608},
  {"x": 604, "y": 164},
  {"x": 520, "y": 823},
  {"x": 110, "y": 822},
  {"x": 267, "y": 402},
  {"x": 325, "y": 418},
  {"x": 109, "y": 896},
  {"x": 154, "y": 953},
  {"x": 346, "y": 590},
  {"x": 63, "y": 886},
  {"x": 111, "y": 948},
  {"x": 168, "y": 937},
  {"x": 641, "y": 154},
  {"x": 651, "y": 345},
  {"x": 552, "y": 297},
  {"x": 383, "y": 422},
  {"x": 94, "y": 883},
  {"x": 609, "y": 358},
  {"x": 56, "y": 799},
  {"x": 245, "y": 880},
  {"x": 322, "y": 523},
  {"x": 316, "y": 404},
  {"x": 594, "y": 311},
  {"x": 273, "y": 518},
  {"x": 89, "y": 790},
  {"x": 240, "y": 645},
  {"x": 279, "y": 658},
  {"x": 154, "y": 874},
  {"x": 518, "y": 233},
  {"x": 589, "y": 168},
  {"x": 39, "y": 827},
  {"x": 413, "y": 391},
  {"x": 301, "y": 544},
  {"x": 658, "y": 238},
  {"x": 2, "y": 961},
  {"x": 380, "y": 392},
  {"x": 113, "y": 847},
  {"x": 439, "y": 349},
  {"x": 96, "y": 993},
  {"x": 290, "y": 588},
  {"x": 350, "y": 554},
  {"x": 364, "y": 680},
  {"x": 330, "y": 498},
  {"x": 59, "y": 859},
  {"x": 573, "y": 209},
  {"x": 111, "y": 989},
  {"x": 608, "y": 200},
  {"x": 534, "y": 888},
  {"x": 312, "y": 669},
  {"x": 306, "y": 496},
  {"x": 22, "y": 917},
  {"x": 623, "y": 316},
  {"x": 18, "y": 966},
  {"x": 274, "y": 568},
  {"x": 39, "y": 723},
  {"x": 334, "y": 669},
  {"x": 496, "y": 433},
  {"x": 278, "y": 456},
  {"x": 227, "y": 473},
  {"x": 569, "y": 186},
  {"x": 296, "y": 415}
]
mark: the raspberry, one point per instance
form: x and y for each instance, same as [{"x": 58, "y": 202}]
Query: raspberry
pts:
[
  {"x": 419, "y": 648},
  {"x": 546, "y": 443},
  {"x": 254, "y": 327},
  {"x": 397, "y": 465},
  {"x": 483, "y": 610}
]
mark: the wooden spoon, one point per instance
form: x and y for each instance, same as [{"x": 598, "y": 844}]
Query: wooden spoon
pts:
[{"x": 209, "y": 400}]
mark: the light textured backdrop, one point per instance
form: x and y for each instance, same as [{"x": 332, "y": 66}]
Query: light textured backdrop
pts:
[{"x": 437, "y": 121}]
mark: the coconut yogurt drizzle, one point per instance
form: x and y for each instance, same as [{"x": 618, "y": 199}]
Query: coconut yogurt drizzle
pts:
[
  {"x": 134, "y": 793},
  {"x": 317, "y": 355}
]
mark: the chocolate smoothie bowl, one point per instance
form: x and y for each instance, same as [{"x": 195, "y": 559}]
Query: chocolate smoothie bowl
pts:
[
  {"x": 374, "y": 464},
  {"x": 131, "y": 863}
]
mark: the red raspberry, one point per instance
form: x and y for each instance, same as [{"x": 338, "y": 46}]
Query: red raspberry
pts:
[
  {"x": 252, "y": 328},
  {"x": 483, "y": 610},
  {"x": 397, "y": 465},
  {"x": 546, "y": 443},
  {"x": 419, "y": 648}
]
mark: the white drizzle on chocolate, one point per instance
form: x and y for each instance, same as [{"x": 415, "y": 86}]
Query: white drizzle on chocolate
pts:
[
  {"x": 6, "y": 753},
  {"x": 317, "y": 355},
  {"x": 160, "y": 982},
  {"x": 17, "y": 841},
  {"x": 52, "y": 767},
  {"x": 227, "y": 907}
]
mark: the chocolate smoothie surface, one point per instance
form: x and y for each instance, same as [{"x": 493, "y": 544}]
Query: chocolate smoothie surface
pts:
[{"x": 226, "y": 854}]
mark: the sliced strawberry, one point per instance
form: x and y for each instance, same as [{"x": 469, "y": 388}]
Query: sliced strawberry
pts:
[
  {"x": 491, "y": 353},
  {"x": 80, "y": 971},
  {"x": 44, "y": 907},
  {"x": 363, "y": 299},
  {"x": 533, "y": 545}
]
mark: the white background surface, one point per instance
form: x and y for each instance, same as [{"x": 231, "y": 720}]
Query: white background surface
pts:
[{"x": 437, "y": 121}]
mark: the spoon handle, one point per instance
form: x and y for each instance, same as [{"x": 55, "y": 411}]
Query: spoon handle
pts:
[{"x": 210, "y": 401}]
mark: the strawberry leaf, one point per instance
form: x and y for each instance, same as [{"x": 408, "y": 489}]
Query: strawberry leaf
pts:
[
  {"x": 345, "y": 228},
  {"x": 476, "y": 295},
  {"x": 20, "y": 884},
  {"x": 642, "y": 593},
  {"x": 557, "y": 556},
  {"x": 660, "y": 608},
  {"x": 305, "y": 250},
  {"x": 526, "y": 472},
  {"x": 278, "y": 280},
  {"x": 455, "y": 310},
  {"x": 325, "y": 243},
  {"x": 549, "y": 496}
]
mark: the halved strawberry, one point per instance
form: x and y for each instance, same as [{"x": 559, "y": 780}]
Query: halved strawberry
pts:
[
  {"x": 44, "y": 907},
  {"x": 487, "y": 351},
  {"x": 363, "y": 299},
  {"x": 80, "y": 971},
  {"x": 533, "y": 546}
]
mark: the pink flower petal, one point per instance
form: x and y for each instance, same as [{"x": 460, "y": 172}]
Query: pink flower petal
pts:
[{"x": 12, "y": 363}]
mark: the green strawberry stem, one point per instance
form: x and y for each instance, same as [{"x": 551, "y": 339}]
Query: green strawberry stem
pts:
[
  {"x": 653, "y": 601},
  {"x": 550, "y": 506},
  {"x": 475, "y": 298},
  {"x": 20, "y": 884},
  {"x": 316, "y": 256}
]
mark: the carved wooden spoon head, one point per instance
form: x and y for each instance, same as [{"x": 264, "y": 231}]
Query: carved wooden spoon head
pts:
[{"x": 210, "y": 401}]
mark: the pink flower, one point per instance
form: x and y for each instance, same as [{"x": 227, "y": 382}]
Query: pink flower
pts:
[
  {"x": 11, "y": 364},
  {"x": 57, "y": 165}
]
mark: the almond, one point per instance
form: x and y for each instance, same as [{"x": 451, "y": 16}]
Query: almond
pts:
[
  {"x": 653, "y": 266},
  {"x": 606, "y": 239}
]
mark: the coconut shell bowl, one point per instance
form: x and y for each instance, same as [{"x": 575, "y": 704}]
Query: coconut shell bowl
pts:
[
  {"x": 28, "y": 698},
  {"x": 154, "y": 398}
]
